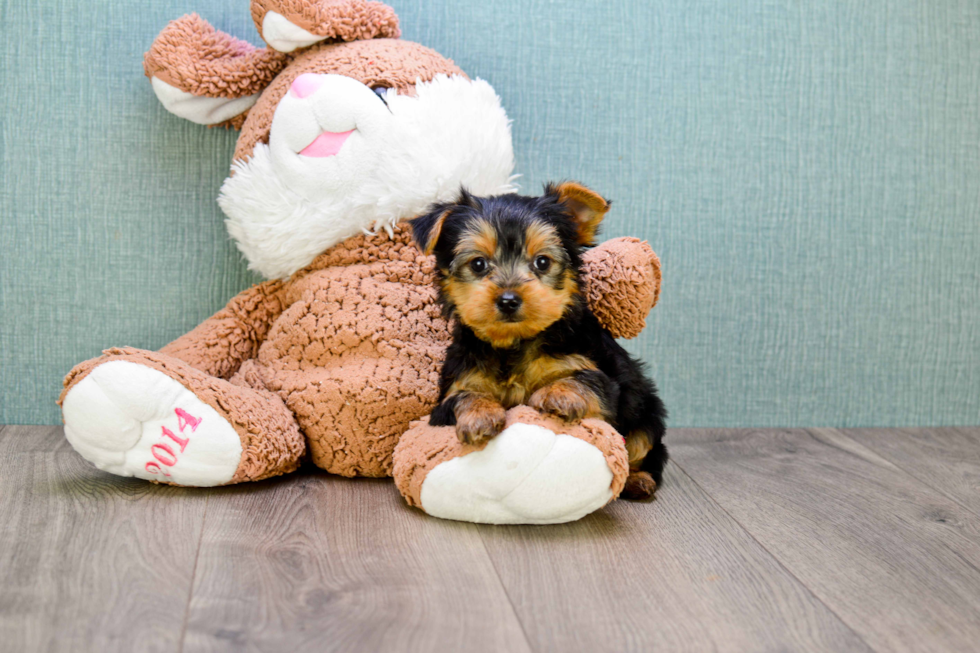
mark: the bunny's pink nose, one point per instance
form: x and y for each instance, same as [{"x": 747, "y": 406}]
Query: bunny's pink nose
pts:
[{"x": 306, "y": 85}]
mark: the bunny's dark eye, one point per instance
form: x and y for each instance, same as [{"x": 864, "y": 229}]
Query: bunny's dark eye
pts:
[
  {"x": 542, "y": 263},
  {"x": 380, "y": 92},
  {"x": 478, "y": 265}
]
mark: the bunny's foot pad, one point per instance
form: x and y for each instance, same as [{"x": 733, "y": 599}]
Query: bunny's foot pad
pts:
[
  {"x": 145, "y": 414},
  {"x": 538, "y": 470},
  {"x": 132, "y": 420}
]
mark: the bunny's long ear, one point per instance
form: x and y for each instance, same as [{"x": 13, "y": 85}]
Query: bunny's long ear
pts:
[
  {"x": 289, "y": 25},
  {"x": 207, "y": 76}
]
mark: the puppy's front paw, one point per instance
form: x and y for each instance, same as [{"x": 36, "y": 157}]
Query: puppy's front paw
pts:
[
  {"x": 479, "y": 421},
  {"x": 640, "y": 486},
  {"x": 564, "y": 400}
]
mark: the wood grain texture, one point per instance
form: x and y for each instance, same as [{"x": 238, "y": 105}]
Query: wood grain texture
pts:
[
  {"x": 896, "y": 560},
  {"x": 759, "y": 540},
  {"x": 320, "y": 563},
  {"x": 677, "y": 574},
  {"x": 89, "y": 561},
  {"x": 946, "y": 459}
]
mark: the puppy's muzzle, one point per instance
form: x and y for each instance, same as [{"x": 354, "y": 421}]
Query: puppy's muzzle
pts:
[{"x": 509, "y": 303}]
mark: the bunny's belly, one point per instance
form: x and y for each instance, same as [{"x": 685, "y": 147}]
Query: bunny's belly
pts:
[{"x": 356, "y": 357}]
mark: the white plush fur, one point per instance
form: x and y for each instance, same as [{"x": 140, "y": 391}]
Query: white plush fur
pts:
[
  {"x": 525, "y": 475},
  {"x": 116, "y": 414},
  {"x": 283, "y": 209}
]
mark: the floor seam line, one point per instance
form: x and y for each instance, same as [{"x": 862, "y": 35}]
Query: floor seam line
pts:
[
  {"x": 190, "y": 590},
  {"x": 902, "y": 469},
  {"x": 503, "y": 588},
  {"x": 772, "y": 555}
]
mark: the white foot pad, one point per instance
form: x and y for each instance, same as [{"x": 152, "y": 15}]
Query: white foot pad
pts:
[
  {"x": 525, "y": 475},
  {"x": 131, "y": 420}
]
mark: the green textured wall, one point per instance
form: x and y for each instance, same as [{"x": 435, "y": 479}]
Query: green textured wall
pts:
[{"x": 808, "y": 172}]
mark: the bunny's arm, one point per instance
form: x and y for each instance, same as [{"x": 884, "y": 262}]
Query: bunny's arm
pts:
[
  {"x": 220, "y": 344},
  {"x": 621, "y": 279}
]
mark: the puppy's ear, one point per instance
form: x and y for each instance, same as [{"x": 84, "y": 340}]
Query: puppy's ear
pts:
[
  {"x": 467, "y": 200},
  {"x": 427, "y": 228},
  {"x": 587, "y": 207}
]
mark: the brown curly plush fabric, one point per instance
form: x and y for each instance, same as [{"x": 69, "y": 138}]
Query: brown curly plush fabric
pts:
[
  {"x": 347, "y": 20},
  {"x": 622, "y": 284},
  {"x": 191, "y": 55},
  {"x": 423, "y": 448},
  {"x": 233, "y": 334},
  {"x": 271, "y": 440},
  {"x": 352, "y": 344},
  {"x": 380, "y": 62}
]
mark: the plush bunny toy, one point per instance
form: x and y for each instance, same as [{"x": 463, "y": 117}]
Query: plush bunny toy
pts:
[{"x": 346, "y": 131}]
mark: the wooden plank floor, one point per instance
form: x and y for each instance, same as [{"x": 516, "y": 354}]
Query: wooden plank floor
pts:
[{"x": 759, "y": 540}]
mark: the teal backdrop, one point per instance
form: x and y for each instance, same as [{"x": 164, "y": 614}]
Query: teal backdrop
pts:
[{"x": 809, "y": 173}]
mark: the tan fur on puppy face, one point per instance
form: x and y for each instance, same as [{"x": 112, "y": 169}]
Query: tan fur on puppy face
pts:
[
  {"x": 479, "y": 239},
  {"x": 545, "y": 296},
  {"x": 542, "y": 239}
]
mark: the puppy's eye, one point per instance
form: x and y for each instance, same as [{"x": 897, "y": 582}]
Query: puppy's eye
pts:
[
  {"x": 478, "y": 265},
  {"x": 542, "y": 263}
]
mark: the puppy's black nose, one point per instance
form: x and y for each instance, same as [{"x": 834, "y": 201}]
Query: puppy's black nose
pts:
[{"x": 509, "y": 302}]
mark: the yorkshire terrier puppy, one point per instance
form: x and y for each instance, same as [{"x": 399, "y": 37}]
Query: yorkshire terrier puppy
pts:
[{"x": 508, "y": 272}]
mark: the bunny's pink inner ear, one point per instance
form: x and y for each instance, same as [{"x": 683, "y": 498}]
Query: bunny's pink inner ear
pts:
[
  {"x": 288, "y": 25},
  {"x": 207, "y": 76}
]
